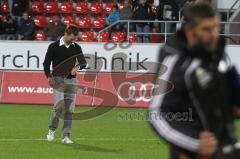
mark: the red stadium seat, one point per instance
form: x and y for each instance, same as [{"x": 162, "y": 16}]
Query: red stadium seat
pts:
[
  {"x": 37, "y": 7},
  {"x": 99, "y": 22},
  {"x": 103, "y": 37},
  {"x": 40, "y": 21},
  {"x": 133, "y": 38},
  {"x": 51, "y": 7},
  {"x": 156, "y": 38},
  {"x": 118, "y": 37},
  {"x": 82, "y": 8},
  {"x": 69, "y": 20},
  {"x": 5, "y": 7},
  {"x": 66, "y": 7},
  {"x": 40, "y": 35},
  {"x": 109, "y": 7},
  {"x": 87, "y": 36},
  {"x": 96, "y": 8},
  {"x": 121, "y": 5},
  {"x": 84, "y": 22}
]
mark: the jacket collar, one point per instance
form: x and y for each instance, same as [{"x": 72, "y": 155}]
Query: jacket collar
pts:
[
  {"x": 179, "y": 42},
  {"x": 61, "y": 42}
]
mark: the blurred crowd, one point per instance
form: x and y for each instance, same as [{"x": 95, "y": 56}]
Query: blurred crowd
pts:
[{"x": 19, "y": 25}]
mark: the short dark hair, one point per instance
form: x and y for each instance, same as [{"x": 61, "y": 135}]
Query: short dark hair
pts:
[
  {"x": 115, "y": 6},
  {"x": 72, "y": 29},
  {"x": 197, "y": 12}
]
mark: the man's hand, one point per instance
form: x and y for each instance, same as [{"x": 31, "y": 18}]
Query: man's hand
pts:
[
  {"x": 208, "y": 145},
  {"x": 74, "y": 70},
  {"x": 51, "y": 81}
]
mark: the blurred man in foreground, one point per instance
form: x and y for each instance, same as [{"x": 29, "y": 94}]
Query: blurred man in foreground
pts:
[{"x": 200, "y": 73}]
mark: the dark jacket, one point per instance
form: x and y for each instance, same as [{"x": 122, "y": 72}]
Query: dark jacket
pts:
[
  {"x": 19, "y": 6},
  {"x": 143, "y": 12},
  {"x": 63, "y": 59},
  {"x": 200, "y": 87},
  {"x": 26, "y": 28},
  {"x": 9, "y": 27},
  {"x": 126, "y": 13},
  {"x": 54, "y": 30}
]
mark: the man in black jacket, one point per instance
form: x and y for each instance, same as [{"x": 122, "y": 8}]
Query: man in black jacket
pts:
[
  {"x": 66, "y": 58},
  {"x": 143, "y": 12},
  {"x": 199, "y": 71},
  {"x": 26, "y": 27}
]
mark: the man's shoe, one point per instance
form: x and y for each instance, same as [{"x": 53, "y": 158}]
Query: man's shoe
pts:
[
  {"x": 67, "y": 140},
  {"x": 50, "y": 135}
]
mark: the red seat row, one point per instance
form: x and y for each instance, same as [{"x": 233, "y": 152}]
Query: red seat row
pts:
[
  {"x": 5, "y": 7},
  {"x": 90, "y": 36},
  {"x": 66, "y": 7},
  {"x": 69, "y": 7},
  {"x": 82, "y": 22}
]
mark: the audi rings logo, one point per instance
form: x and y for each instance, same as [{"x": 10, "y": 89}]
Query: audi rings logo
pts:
[{"x": 138, "y": 91}]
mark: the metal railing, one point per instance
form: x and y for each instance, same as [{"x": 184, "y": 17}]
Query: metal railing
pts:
[
  {"x": 231, "y": 9},
  {"x": 166, "y": 28}
]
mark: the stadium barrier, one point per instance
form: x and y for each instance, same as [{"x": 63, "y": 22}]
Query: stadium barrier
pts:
[{"x": 118, "y": 74}]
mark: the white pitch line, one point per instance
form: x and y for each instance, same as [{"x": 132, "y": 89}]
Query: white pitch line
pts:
[{"x": 80, "y": 139}]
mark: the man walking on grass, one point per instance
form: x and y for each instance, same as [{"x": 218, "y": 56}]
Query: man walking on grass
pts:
[{"x": 66, "y": 58}]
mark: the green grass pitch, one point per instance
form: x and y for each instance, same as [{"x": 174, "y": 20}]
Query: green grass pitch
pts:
[
  {"x": 112, "y": 135},
  {"x": 23, "y": 131}
]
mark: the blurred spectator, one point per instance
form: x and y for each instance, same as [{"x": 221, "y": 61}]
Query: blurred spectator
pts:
[
  {"x": 143, "y": 12},
  {"x": 114, "y": 16},
  {"x": 126, "y": 14},
  {"x": 1, "y": 29},
  {"x": 9, "y": 28},
  {"x": 55, "y": 29},
  {"x": 18, "y": 7},
  {"x": 181, "y": 3},
  {"x": 133, "y": 3},
  {"x": 189, "y": 2},
  {"x": 26, "y": 27},
  {"x": 168, "y": 11}
]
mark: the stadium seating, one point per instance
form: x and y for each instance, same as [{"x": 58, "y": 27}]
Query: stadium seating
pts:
[
  {"x": 133, "y": 38},
  {"x": 121, "y": 5},
  {"x": 118, "y": 37},
  {"x": 87, "y": 36},
  {"x": 96, "y": 8},
  {"x": 84, "y": 22},
  {"x": 51, "y": 7},
  {"x": 5, "y": 7},
  {"x": 37, "y": 7},
  {"x": 40, "y": 21},
  {"x": 98, "y": 22},
  {"x": 81, "y": 8},
  {"x": 109, "y": 7},
  {"x": 103, "y": 37},
  {"x": 69, "y": 20},
  {"x": 66, "y": 7},
  {"x": 40, "y": 35},
  {"x": 86, "y": 15}
]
